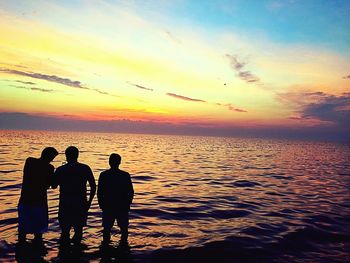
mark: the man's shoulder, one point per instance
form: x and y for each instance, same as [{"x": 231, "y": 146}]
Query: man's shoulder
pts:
[
  {"x": 30, "y": 160},
  {"x": 111, "y": 172},
  {"x": 83, "y": 166},
  {"x": 105, "y": 173},
  {"x": 62, "y": 167},
  {"x": 124, "y": 172}
]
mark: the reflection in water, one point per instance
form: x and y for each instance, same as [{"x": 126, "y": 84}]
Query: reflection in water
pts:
[
  {"x": 284, "y": 201},
  {"x": 121, "y": 253},
  {"x": 30, "y": 252}
]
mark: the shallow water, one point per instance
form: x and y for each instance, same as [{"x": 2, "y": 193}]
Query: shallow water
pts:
[{"x": 200, "y": 199}]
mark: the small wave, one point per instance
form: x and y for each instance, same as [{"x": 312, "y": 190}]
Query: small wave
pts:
[
  {"x": 5, "y": 163},
  {"x": 177, "y": 235},
  {"x": 11, "y": 186},
  {"x": 168, "y": 215},
  {"x": 227, "y": 214},
  {"x": 142, "y": 177},
  {"x": 9, "y": 221},
  {"x": 245, "y": 183},
  {"x": 169, "y": 199},
  {"x": 245, "y": 205},
  {"x": 8, "y": 171}
]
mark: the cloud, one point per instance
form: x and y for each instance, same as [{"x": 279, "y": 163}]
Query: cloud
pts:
[
  {"x": 248, "y": 76},
  {"x": 321, "y": 106},
  {"x": 172, "y": 37},
  {"x": 25, "y": 82},
  {"x": 230, "y": 107},
  {"x": 330, "y": 108},
  {"x": 139, "y": 86},
  {"x": 235, "y": 64},
  {"x": 104, "y": 92},
  {"x": 183, "y": 97},
  {"x": 51, "y": 78},
  {"x": 236, "y": 109},
  {"x": 346, "y": 77},
  {"x": 238, "y": 66},
  {"x": 33, "y": 88}
]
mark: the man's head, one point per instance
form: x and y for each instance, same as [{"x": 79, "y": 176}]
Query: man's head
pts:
[
  {"x": 72, "y": 154},
  {"x": 48, "y": 154},
  {"x": 114, "y": 160}
]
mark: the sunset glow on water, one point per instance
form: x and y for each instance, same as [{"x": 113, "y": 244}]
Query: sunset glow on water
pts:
[{"x": 277, "y": 199}]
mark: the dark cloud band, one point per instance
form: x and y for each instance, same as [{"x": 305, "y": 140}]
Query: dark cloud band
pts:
[
  {"x": 140, "y": 86},
  {"x": 51, "y": 78},
  {"x": 184, "y": 98}
]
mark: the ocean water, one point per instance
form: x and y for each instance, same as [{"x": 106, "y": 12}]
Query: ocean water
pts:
[{"x": 198, "y": 199}]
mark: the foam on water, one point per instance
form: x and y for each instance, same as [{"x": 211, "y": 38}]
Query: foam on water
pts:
[{"x": 201, "y": 199}]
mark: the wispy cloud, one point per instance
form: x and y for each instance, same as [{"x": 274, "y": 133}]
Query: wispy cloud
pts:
[
  {"x": 346, "y": 77},
  {"x": 230, "y": 107},
  {"x": 235, "y": 63},
  {"x": 25, "y": 82},
  {"x": 33, "y": 88},
  {"x": 248, "y": 76},
  {"x": 239, "y": 67},
  {"x": 51, "y": 78},
  {"x": 172, "y": 37},
  {"x": 104, "y": 92},
  {"x": 184, "y": 98},
  {"x": 139, "y": 86}
]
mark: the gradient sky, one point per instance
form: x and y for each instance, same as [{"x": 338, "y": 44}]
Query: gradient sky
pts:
[{"x": 216, "y": 65}]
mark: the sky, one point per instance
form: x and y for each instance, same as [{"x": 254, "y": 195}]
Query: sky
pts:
[{"x": 227, "y": 68}]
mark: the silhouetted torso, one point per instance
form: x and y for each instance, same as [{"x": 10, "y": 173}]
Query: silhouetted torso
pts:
[
  {"x": 72, "y": 179},
  {"x": 115, "y": 190},
  {"x": 36, "y": 180}
]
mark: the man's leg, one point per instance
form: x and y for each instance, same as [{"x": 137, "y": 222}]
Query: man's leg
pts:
[
  {"x": 123, "y": 223},
  {"x": 106, "y": 235},
  {"x": 124, "y": 234},
  {"x": 78, "y": 234},
  {"x": 108, "y": 219},
  {"x": 22, "y": 236},
  {"x": 65, "y": 229},
  {"x": 38, "y": 237}
]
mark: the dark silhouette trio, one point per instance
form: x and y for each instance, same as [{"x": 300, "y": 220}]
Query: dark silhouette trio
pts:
[{"x": 115, "y": 194}]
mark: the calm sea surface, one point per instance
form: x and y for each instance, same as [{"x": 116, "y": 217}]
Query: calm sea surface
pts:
[{"x": 200, "y": 199}]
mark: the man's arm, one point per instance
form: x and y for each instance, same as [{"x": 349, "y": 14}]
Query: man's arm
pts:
[
  {"x": 55, "y": 179},
  {"x": 49, "y": 177},
  {"x": 131, "y": 189},
  {"x": 92, "y": 184},
  {"x": 100, "y": 191}
]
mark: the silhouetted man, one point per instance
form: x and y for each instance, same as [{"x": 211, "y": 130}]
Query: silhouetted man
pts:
[
  {"x": 72, "y": 178},
  {"x": 115, "y": 194},
  {"x": 32, "y": 205}
]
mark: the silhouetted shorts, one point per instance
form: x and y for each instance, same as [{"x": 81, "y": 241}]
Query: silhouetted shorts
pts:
[
  {"x": 72, "y": 215},
  {"x": 108, "y": 218},
  {"x": 32, "y": 219}
]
